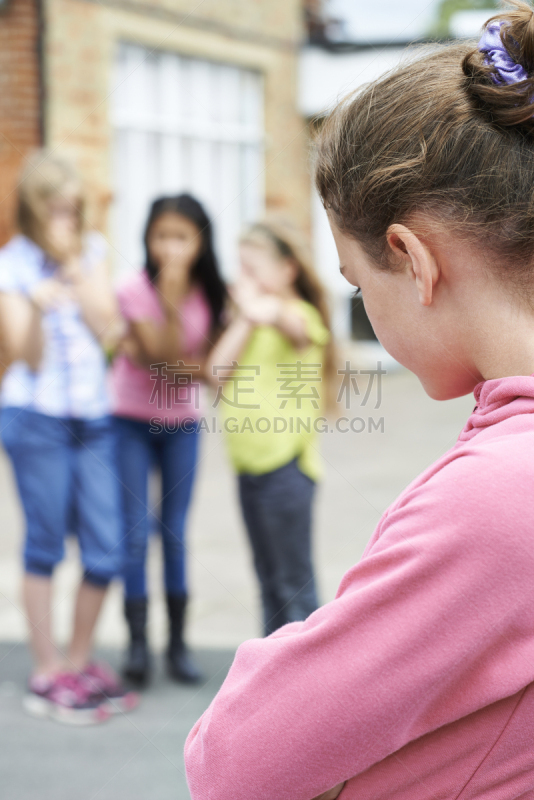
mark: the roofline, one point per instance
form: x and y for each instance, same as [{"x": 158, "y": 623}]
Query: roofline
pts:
[{"x": 357, "y": 47}]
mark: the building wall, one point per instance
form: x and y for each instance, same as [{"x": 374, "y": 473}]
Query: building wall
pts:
[
  {"x": 81, "y": 41},
  {"x": 19, "y": 100},
  {"x": 266, "y": 21}
]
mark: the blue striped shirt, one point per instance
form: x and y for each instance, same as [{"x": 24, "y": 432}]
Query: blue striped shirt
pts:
[{"x": 71, "y": 378}]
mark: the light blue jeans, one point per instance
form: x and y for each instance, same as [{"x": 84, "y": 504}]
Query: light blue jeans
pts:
[{"x": 66, "y": 477}]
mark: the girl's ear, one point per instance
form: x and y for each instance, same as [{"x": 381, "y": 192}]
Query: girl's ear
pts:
[{"x": 418, "y": 259}]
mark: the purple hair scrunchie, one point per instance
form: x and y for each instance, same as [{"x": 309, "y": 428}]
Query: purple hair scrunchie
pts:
[{"x": 507, "y": 71}]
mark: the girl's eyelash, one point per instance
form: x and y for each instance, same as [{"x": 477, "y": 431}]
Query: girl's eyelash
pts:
[{"x": 357, "y": 294}]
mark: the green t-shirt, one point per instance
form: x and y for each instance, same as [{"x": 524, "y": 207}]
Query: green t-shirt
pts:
[{"x": 271, "y": 403}]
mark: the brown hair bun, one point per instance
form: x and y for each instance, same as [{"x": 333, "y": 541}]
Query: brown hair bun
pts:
[
  {"x": 427, "y": 142},
  {"x": 505, "y": 105}
]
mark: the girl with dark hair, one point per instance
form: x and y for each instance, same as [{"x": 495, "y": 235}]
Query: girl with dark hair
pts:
[{"x": 173, "y": 309}]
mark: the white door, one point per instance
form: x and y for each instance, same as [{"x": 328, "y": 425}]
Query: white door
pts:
[{"x": 184, "y": 124}]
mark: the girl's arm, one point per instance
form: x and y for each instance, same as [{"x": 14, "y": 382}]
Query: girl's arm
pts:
[
  {"x": 227, "y": 350},
  {"x": 90, "y": 289},
  {"x": 163, "y": 342},
  {"x": 94, "y": 294},
  {"x": 21, "y": 316},
  {"x": 414, "y": 641},
  {"x": 292, "y": 324},
  {"x": 265, "y": 309},
  {"x": 157, "y": 343},
  {"x": 21, "y": 336}
]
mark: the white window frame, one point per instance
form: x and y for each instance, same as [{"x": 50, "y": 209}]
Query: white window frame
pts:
[{"x": 185, "y": 124}]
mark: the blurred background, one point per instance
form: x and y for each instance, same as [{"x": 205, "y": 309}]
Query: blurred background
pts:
[
  {"x": 220, "y": 98},
  {"x": 217, "y": 97}
]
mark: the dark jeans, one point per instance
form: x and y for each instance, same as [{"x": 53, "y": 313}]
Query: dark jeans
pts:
[
  {"x": 277, "y": 508},
  {"x": 174, "y": 452}
]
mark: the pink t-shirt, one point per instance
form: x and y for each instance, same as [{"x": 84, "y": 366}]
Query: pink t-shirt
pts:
[
  {"x": 417, "y": 681},
  {"x": 145, "y": 394}
]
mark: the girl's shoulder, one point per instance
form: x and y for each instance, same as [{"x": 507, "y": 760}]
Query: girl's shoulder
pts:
[
  {"x": 21, "y": 264},
  {"x": 137, "y": 296},
  {"x": 19, "y": 244},
  {"x": 134, "y": 282},
  {"x": 21, "y": 248}
]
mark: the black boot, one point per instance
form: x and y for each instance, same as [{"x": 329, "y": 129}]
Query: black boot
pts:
[
  {"x": 180, "y": 665},
  {"x": 137, "y": 665}
]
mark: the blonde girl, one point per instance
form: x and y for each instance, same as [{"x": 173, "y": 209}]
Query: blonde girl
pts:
[
  {"x": 271, "y": 401},
  {"x": 57, "y": 313}
]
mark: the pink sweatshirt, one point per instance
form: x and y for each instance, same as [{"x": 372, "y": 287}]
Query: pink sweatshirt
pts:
[{"x": 415, "y": 683}]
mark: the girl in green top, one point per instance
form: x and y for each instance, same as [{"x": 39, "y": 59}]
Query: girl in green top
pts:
[{"x": 271, "y": 368}]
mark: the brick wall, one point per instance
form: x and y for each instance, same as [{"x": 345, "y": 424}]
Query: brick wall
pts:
[
  {"x": 81, "y": 41},
  {"x": 19, "y": 100},
  {"x": 78, "y": 59}
]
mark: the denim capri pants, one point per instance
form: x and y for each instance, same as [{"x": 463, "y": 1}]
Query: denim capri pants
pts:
[{"x": 66, "y": 477}]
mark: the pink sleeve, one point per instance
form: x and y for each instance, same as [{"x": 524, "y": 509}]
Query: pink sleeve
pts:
[
  {"x": 136, "y": 300},
  {"x": 432, "y": 625}
]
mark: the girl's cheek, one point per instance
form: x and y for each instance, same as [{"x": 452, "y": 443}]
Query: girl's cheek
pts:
[{"x": 389, "y": 333}]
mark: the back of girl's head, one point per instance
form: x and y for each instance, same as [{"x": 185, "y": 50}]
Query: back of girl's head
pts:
[
  {"x": 45, "y": 176},
  {"x": 445, "y": 136},
  {"x": 205, "y": 271}
]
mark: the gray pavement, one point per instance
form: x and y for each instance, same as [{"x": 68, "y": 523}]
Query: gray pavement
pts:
[
  {"x": 139, "y": 757},
  {"x": 132, "y": 757}
]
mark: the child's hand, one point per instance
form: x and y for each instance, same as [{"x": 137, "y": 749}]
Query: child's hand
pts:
[
  {"x": 332, "y": 794},
  {"x": 243, "y": 292},
  {"x": 49, "y": 294},
  {"x": 63, "y": 237},
  {"x": 263, "y": 310},
  {"x": 173, "y": 284},
  {"x": 256, "y": 306},
  {"x": 71, "y": 270}
]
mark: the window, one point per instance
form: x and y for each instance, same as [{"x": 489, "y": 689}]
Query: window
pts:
[{"x": 184, "y": 124}]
